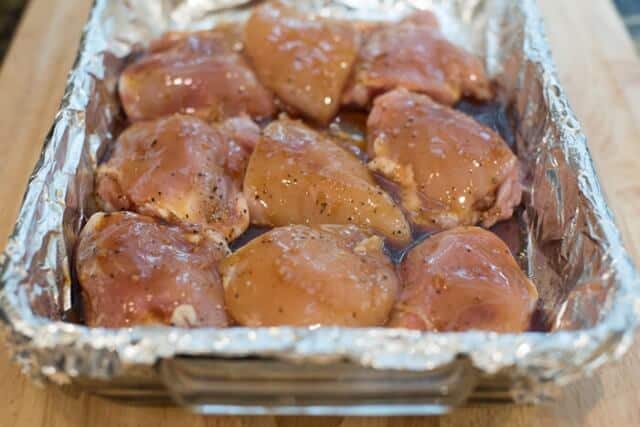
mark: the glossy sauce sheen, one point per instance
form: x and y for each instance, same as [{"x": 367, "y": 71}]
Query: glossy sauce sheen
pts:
[
  {"x": 414, "y": 54},
  {"x": 297, "y": 175},
  {"x": 200, "y": 73},
  {"x": 298, "y": 275},
  {"x": 460, "y": 279},
  {"x": 448, "y": 169},
  {"x": 305, "y": 61},
  {"x": 134, "y": 270},
  {"x": 182, "y": 170},
  {"x": 349, "y": 129}
]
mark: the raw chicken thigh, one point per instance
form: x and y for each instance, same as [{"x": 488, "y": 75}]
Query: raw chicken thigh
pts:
[
  {"x": 447, "y": 168},
  {"x": 134, "y": 270},
  {"x": 299, "y": 275},
  {"x": 200, "y": 73},
  {"x": 306, "y": 61},
  {"x": 182, "y": 170},
  {"x": 461, "y": 279},
  {"x": 299, "y": 176},
  {"x": 415, "y": 55}
]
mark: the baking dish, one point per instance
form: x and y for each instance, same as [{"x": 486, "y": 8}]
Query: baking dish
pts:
[{"x": 587, "y": 282}]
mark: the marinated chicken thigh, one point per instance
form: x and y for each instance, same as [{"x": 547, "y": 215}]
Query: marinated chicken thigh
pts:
[
  {"x": 447, "y": 168},
  {"x": 200, "y": 73},
  {"x": 461, "y": 279},
  {"x": 305, "y": 60},
  {"x": 299, "y": 275},
  {"x": 181, "y": 169},
  {"x": 415, "y": 55},
  {"x": 134, "y": 270},
  {"x": 299, "y": 176}
]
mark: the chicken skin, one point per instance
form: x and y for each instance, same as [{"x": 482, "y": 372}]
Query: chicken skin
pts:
[
  {"x": 182, "y": 170},
  {"x": 448, "y": 169},
  {"x": 300, "y": 276},
  {"x": 461, "y": 279},
  {"x": 305, "y": 61},
  {"x": 200, "y": 73},
  {"x": 415, "y": 55},
  {"x": 299, "y": 176},
  {"x": 134, "y": 270}
]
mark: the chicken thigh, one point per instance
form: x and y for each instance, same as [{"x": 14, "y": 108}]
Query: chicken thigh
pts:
[
  {"x": 306, "y": 61},
  {"x": 461, "y": 279},
  {"x": 299, "y": 275},
  {"x": 415, "y": 55},
  {"x": 181, "y": 169},
  {"x": 200, "y": 73},
  {"x": 299, "y": 176},
  {"x": 447, "y": 168},
  {"x": 134, "y": 270}
]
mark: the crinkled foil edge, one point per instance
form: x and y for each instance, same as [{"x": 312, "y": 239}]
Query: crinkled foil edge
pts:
[{"x": 60, "y": 351}]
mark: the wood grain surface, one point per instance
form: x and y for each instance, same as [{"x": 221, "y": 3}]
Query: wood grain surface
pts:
[{"x": 601, "y": 74}]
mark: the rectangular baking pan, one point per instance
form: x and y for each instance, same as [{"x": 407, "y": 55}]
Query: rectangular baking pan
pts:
[{"x": 589, "y": 287}]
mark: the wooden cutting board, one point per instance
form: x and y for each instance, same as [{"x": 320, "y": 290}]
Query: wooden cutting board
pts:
[{"x": 601, "y": 74}]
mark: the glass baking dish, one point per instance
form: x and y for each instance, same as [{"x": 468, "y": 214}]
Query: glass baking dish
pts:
[{"x": 573, "y": 251}]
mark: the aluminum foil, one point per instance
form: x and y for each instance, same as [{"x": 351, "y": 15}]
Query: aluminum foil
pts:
[{"x": 589, "y": 287}]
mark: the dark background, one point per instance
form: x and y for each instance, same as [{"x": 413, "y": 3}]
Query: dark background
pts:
[
  {"x": 11, "y": 10},
  {"x": 630, "y": 11}
]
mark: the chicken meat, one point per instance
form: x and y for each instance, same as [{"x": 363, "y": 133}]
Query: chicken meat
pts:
[
  {"x": 447, "y": 169},
  {"x": 462, "y": 279},
  {"x": 201, "y": 73},
  {"x": 415, "y": 55},
  {"x": 135, "y": 270},
  {"x": 297, "y": 175},
  {"x": 182, "y": 170},
  {"x": 299, "y": 276},
  {"x": 306, "y": 61}
]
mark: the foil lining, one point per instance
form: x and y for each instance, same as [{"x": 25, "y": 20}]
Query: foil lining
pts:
[{"x": 589, "y": 287}]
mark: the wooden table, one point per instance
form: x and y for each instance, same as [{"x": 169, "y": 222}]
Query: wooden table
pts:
[{"x": 601, "y": 73}]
